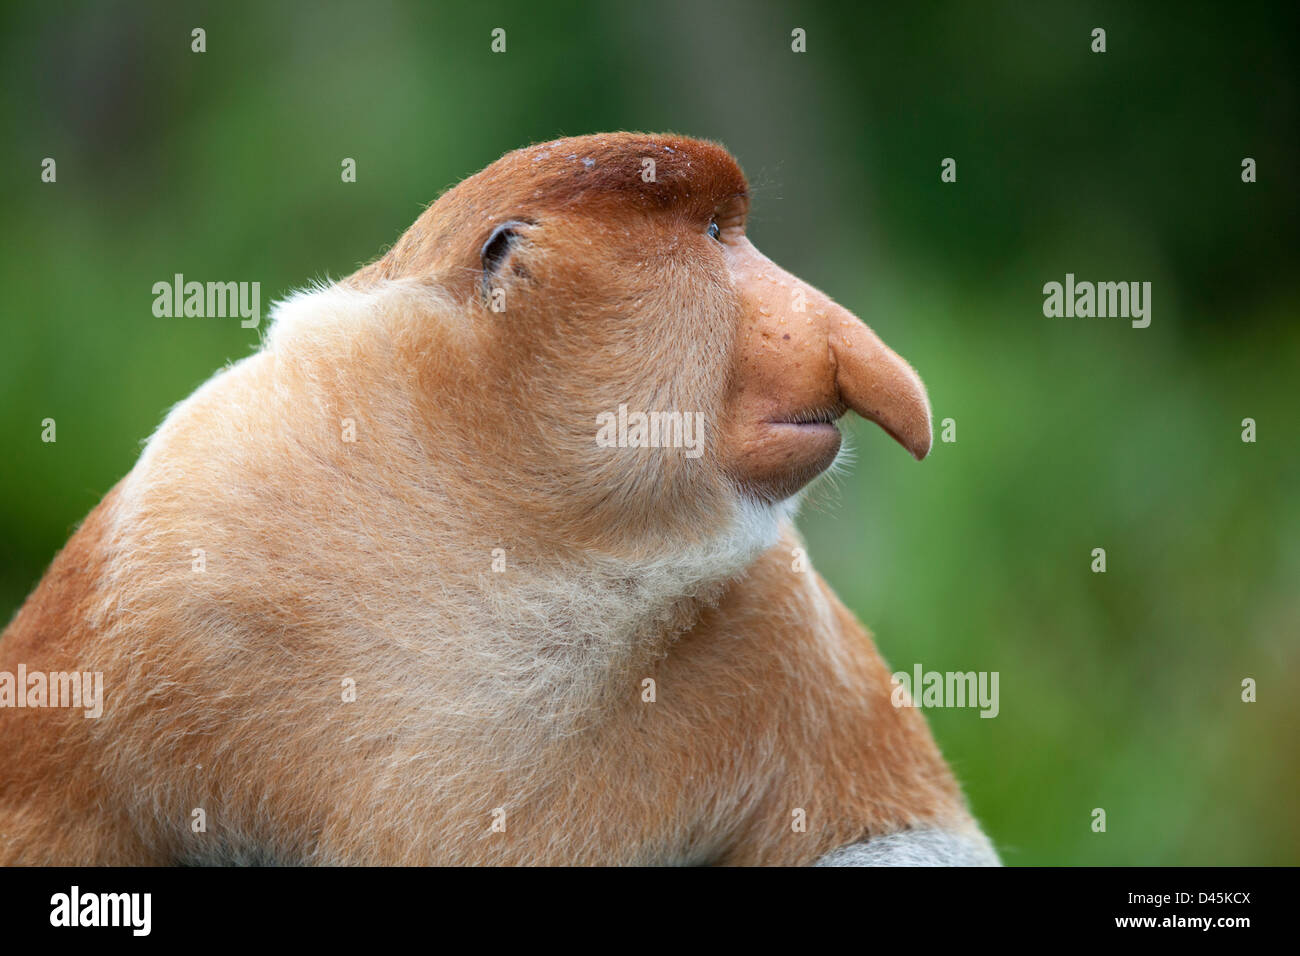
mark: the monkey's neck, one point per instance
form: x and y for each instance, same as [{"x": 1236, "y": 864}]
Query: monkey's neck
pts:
[{"x": 564, "y": 638}]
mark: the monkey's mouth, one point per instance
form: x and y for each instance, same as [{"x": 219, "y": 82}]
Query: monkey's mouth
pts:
[
  {"x": 789, "y": 451},
  {"x": 812, "y": 418},
  {"x": 819, "y": 432}
]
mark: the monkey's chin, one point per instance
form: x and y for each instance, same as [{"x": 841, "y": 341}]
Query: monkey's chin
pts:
[{"x": 782, "y": 457}]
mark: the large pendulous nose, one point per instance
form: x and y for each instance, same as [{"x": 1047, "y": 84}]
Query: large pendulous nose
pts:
[
  {"x": 803, "y": 350},
  {"x": 878, "y": 384}
]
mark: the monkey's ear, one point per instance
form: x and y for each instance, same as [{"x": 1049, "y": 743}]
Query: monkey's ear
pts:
[{"x": 496, "y": 250}]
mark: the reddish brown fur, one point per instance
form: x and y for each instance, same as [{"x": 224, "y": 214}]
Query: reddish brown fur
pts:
[
  {"x": 692, "y": 178},
  {"x": 771, "y": 697}
]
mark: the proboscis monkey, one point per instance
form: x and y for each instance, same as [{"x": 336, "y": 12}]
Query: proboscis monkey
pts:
[{"x": 486, "y": 557}]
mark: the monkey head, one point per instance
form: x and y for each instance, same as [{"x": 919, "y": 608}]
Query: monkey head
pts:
[{"x": 604, "y": 278}]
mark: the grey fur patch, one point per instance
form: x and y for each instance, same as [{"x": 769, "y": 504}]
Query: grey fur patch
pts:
[{"x": 917, "y": 848}]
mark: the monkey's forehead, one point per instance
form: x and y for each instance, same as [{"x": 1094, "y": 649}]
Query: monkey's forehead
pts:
[
  {"x": 604, "y": 175},
  {"x": 639, "y": 170}
]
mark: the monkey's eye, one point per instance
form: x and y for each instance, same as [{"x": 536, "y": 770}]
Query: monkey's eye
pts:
[{"x": 714, "y": 231}]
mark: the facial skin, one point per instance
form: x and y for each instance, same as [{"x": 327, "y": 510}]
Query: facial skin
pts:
[
  {"x": 800, "y": 369},
  {"x": 621, "y": 290}
]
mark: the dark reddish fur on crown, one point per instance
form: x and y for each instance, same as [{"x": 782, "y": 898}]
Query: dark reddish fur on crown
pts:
[{"x": 597, "y": 175}]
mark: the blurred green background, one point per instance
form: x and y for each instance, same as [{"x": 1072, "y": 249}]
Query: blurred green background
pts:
[{"x": 1118, "y": 690}]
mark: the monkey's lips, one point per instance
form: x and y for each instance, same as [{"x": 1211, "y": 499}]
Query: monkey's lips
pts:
[
  {"x": 811, "y": 443},
  {"x": 814, "y": 425},
  {"x": 805, "y": 431},
  {"x": 787, "y": 453}
]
